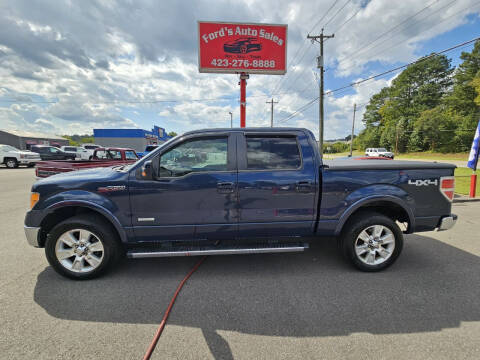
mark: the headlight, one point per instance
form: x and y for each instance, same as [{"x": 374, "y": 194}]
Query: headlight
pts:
[
  {"x": 34, "y": 197},
  {"x": 22, "y": 156}
]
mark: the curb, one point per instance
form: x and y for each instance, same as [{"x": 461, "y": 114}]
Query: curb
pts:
[{"x": 464, "y": 199}]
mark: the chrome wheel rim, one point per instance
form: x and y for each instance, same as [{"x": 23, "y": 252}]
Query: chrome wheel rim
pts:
[
  {"x": 10, "y": 163},
  {"x": 375, "y": 245},
  {"x": 79, "y": 250}
]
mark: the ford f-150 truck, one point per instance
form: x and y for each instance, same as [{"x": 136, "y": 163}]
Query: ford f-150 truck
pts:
[
  {"x": 102, "y": 157},
  {"x": 236, "y": 191}
]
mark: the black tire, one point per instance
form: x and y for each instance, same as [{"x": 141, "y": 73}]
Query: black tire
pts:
[
  {"x": 112, "y": 249},
  {"x": 31, "y": 165},
  {"x": 11, "y": 163},
  {"x": 366, "y": 220}
]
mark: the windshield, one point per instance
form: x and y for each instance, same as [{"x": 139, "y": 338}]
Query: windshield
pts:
[
  {"x": 9, "y": 148},
  {"x": 382, "y": 149}
]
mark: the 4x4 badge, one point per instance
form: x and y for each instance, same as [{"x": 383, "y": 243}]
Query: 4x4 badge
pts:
[{"x": 420, "y": 182}]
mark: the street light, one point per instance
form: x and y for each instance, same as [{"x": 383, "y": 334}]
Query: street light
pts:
[{"x": 231, "y": 119}]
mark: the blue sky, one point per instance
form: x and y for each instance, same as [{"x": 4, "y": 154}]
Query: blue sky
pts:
[{"x": 70, "y": 67}]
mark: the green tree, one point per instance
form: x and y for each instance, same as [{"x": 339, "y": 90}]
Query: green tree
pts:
[
  {"x": 395, "y": 109},
  {"x": 462, "y": 104},
  {"x": 172, "y": 133}
]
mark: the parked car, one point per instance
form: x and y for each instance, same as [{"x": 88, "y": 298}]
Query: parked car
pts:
[
  {"x": 79, "y": 152},
  {"x": 102, "y": 157},
  {"x": 242, "y": 45},
  {"x": 362, "y": 158},
  {"x": 226, "y": 191},
  {"x": 12, "y": 157},
  {"x": 148, "y": 149},
  {"x": 47, "y": 152},
  {"x": 379, "y": 152},
  {"x": 90, "y": 148}
]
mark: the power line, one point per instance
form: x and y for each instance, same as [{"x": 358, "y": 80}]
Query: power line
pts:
[
  {"x": 277, "y": 88},
  {"x": 323, "y": 17},
  {"x": 304, "y": 107},
  {"x": 345, "y": 87},
  {"x": 401, "y": 42},
  {"x": 348, "y": 20},
  {"x": 333, "y": 17},
  {"x": 401, "y": 67},
  {"x": 364, "y": 46}
]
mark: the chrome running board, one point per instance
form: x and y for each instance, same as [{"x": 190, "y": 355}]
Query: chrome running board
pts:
[{"x": 226, "y": 251}]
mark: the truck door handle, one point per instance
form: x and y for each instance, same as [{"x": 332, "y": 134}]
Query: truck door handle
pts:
[
  {"x": 303, "y": 186},
  {"x": 225, "y": 187}
]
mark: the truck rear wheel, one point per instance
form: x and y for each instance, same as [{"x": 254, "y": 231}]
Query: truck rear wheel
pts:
[
  {"x": 82, "y": 247},
  {"x": 371, "y": 241}
]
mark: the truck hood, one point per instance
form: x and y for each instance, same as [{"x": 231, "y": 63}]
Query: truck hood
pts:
[{"x": 78, "y": 179}]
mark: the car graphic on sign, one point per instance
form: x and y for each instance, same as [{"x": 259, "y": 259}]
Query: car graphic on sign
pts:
[{"x": 242, "y": 45}]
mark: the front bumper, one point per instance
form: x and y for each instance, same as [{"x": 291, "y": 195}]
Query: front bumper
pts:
[
  {"x": 32, "y": 235},
  {"x": 447, "y": 222},
  {"x": 28, "y": 161}
]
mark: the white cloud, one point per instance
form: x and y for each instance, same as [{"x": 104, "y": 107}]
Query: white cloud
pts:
[{"x": 96, "y": 62}]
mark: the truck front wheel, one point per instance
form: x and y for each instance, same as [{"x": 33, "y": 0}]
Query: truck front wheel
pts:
[
  {"x": 11, "y": 163},
  {"x": 82, "y": 247},
  {"x": 371, "y": 241}
]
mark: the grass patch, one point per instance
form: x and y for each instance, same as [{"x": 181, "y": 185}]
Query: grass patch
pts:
[
  {"x": 415, "y": 155},
  {"x": 434, "y": 156},
  {"x": 462, "y": 181}
]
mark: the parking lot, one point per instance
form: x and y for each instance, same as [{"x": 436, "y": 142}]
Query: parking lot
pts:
[{"x": 309, "y": 305}]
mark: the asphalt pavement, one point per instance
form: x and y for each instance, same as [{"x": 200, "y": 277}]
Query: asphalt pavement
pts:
[{"x": 309, "y": 305}]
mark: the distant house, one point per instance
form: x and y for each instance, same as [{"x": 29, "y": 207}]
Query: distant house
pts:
[
  {"x": 23, "y": 140},
  {"x": 135, "y": 139}
]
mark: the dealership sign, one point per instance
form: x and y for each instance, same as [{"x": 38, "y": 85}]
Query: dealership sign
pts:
[{"x": 241, "y": 47}]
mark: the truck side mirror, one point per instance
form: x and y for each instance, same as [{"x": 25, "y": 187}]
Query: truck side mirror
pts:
[{"x": 147, "y": 170}]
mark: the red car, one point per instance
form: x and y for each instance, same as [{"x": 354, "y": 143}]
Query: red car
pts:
[
  {"x": 242, "y": 45},
  {"x": 102, "y": 157}
]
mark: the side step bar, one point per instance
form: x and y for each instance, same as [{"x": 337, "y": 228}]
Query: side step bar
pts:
[{"x": 218, "y": 251}]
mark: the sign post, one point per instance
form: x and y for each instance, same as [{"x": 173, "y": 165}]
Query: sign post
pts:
[{"x": 242, "y": 48}]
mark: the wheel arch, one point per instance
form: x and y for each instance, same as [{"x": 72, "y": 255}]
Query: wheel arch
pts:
[
  {"x": 390, "y": 206},
  {"x": 61, "y": 212}
]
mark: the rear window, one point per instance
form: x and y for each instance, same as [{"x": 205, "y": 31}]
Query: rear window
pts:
[
  {"x": 130, "y": 155},
  {"x": 91, "y": 147},
  {"x": 272, "y": 153}
]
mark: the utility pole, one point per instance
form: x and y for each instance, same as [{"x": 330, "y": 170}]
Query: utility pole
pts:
[
  {"x": 353, "y": 129},
  {"x": 396, "y": 141},
  {"x": 320, "y": 38},
  {"x": 231, "y": 119},
  {"x": 271, "y": 114}
]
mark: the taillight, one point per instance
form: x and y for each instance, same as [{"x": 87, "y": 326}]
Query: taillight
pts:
[{"x": 447, "y": 187}]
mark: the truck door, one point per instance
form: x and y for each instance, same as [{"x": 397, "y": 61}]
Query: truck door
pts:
[
  {"x": 277, "y": 185},
  {"x": 193, "y": 194}
]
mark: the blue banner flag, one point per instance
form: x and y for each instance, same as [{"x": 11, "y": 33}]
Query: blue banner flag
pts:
[{"x": 473, "y": 158}]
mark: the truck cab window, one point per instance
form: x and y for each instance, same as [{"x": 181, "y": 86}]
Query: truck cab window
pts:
[
  {"x": 200, "y": 155},
  {"x": 130, "y": 155},
  {"x": 272, "y": 153}
]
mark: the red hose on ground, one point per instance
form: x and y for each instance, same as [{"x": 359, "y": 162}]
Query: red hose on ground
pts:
[{"x": 165, "y": 316}]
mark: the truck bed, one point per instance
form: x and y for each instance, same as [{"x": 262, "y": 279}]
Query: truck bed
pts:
[{"x": 342, "y": 165}]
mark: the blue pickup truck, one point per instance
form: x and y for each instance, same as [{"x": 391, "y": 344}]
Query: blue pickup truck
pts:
[{"x": 236, "y": 191}]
